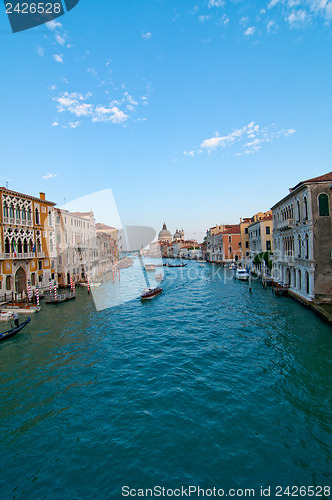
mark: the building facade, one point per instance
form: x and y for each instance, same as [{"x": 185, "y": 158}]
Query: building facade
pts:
[
  {"x": 27, "y": 243},
  {"x": 302, "y": 233}
]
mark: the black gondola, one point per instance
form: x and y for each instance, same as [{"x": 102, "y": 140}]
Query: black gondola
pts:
[{"x": 13, "y": 331}]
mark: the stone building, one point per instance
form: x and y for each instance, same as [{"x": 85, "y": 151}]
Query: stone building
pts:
[
  {"x": 302, "y": 236},
  {"x": 77, "y": 246},
  {"x": 27, "y": 243}
]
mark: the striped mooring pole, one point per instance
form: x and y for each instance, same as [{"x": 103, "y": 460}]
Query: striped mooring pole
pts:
[
  {"x": 88, "y": 285},
  {"x": 37, "y": 296},
  {"x": 55, "y": 291},
  {"x": 29, "y": 290},
  {"x": 71, "y": 283}
]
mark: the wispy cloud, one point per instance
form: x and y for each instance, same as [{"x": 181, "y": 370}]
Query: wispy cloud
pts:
[
  {"x": 248, "y": 138},
  {"x": 49, "y": 176},
  {"x": 53, "y": 25},
  {"x": 297, "y": 18},
  {"x": 75, "y": 104},
  {"x": 216, "y": 3},
  {"x": 146, "y": 35},
  {"x": 249, "y": 31},
  {"x": 58, "y": 58},
  {"x": 40, "y": 51}
]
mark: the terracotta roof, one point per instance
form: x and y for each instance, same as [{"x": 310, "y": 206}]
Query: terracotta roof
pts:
[
  {"x": 268, "y": 217},
  {"x": 99, "y": 225},
  {"x": 321, "y": 178},
  {"x": 233, "y": 230}
]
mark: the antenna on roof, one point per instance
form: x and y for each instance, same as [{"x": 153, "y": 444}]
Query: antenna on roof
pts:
[
  {"x": 64, "y": 201},
  {"x": 6, "y": 184}
]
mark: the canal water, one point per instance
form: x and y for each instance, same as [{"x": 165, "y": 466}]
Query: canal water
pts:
[{"x": 205, "y": 385}]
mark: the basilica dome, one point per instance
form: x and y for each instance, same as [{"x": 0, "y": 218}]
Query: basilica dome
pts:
[{"x": 165, "y": 235}]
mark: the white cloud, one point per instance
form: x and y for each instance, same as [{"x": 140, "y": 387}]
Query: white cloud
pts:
[
  {"x": 55, "y": 124},
  {"x": 58, "y": 58},
  {"x": 60, "y": 39},
  {"x": 202, "y": 19},
  {"x": 146, "y": 35},
  {"x": 49, "y": 176},
  {"x": 273, "y": 3},
  {"x": 297, "y": 18},
  {"x": 40, "y": 51},
  {"x": 53, "y": 25},
  {"x": 216, "y": 3},
  {"x": 250, "y": 31},
  {"x": 75, "y": 104},
  {"x": 240, "y": 136},
  {"x": 271, "y": 27}
]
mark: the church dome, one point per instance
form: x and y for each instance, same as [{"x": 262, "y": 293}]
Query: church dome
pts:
[
  {"x": 164, "y": 234},
  {"x": 177, "y": 235}
]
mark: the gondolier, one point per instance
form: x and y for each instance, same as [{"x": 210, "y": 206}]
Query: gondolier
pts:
[{"x": 15, "y": 318}]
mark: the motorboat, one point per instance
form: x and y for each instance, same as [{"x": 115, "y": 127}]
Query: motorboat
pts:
[
  {"x": 150, "y": 293},
  {"x": 242, "y": 274}
]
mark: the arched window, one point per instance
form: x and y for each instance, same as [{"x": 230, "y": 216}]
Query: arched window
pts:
[
  {"x": 299, "y": 280},
  {"x": 23, "y": 214},
  {"x": 18, "y": 213},
  {"x": 294, "y": 278},
  {"x": 305, "y": 203},
  {"x": 307, "y": 281},
  {"x": 306, "y": 246},
  {"x": 38, "y": 245},
  {"x": 11, "y": 211},
  {"x": 37, "y": 216},
  {"x": 50, "y": 218},
  {"x": 7, "y": 245},
  {"x": 29, "y": 213},
  {"x": 25, "y": 246},
  {"x": 300, "y": 245},
  {"x": 323, "y": 203},
  {"x": 5, "y": 210},
  {"x": 298, "y": 210},
  {"x": 19, "y": 246},
  {"x": 30, "y": 246}
]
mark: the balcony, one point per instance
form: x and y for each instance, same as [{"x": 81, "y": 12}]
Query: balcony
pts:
[
  {"x": 18, "y": 256},
  {"x": 285, "y": 224}
]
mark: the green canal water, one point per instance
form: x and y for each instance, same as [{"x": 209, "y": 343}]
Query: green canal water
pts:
[{"x": 206, "y": 385}]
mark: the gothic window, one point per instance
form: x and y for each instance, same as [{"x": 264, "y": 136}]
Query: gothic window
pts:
[
  {"x": 298, "y": 210},
  {"x": 37, "y": 216},
  {"x": 11, "y": 211},
  {"x": 23, "y": 214},
  {"x": 25, "y": 246},
  {"x": 300, "y": 244},
  {"x": 7, "y": 245},
  {"x": 305, "y": 203},
  {"x": 306, "y": 246},
  {"x": 300, "y": 279},
  {"x": 5, "y": 210},
  {"x": 323, "y": 203},
  {"x": 19, "y": 246},
  {"x": 18, "y": 213},
  {"x": 29, "y": 214}
]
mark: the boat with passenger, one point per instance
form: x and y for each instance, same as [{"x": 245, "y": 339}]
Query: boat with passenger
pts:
[
  {"x": 150, "y": 293},
  {"x": 17, "y": 328}
]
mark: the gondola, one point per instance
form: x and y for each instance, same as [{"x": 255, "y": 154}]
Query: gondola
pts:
[{"x": 14, "y": 330}]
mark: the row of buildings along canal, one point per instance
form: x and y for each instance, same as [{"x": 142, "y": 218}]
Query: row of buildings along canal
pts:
[
  {"x": 40, "y": 243},
  {"x": 292, "y": 242}
]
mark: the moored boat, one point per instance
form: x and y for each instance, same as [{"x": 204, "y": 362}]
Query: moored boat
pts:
[
  {"x": 242, "y": 274},
  {"x": 150, "y": 267},
  {"x": 159, "y": 277}
]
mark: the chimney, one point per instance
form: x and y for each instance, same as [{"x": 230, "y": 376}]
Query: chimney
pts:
[{"x": 42, "y": 196}]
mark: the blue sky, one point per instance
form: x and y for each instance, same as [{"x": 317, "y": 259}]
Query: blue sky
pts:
[{"x": 192, "y": 112}]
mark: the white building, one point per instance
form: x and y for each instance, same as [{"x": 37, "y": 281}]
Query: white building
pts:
[{"x": 302, "y": 236}]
